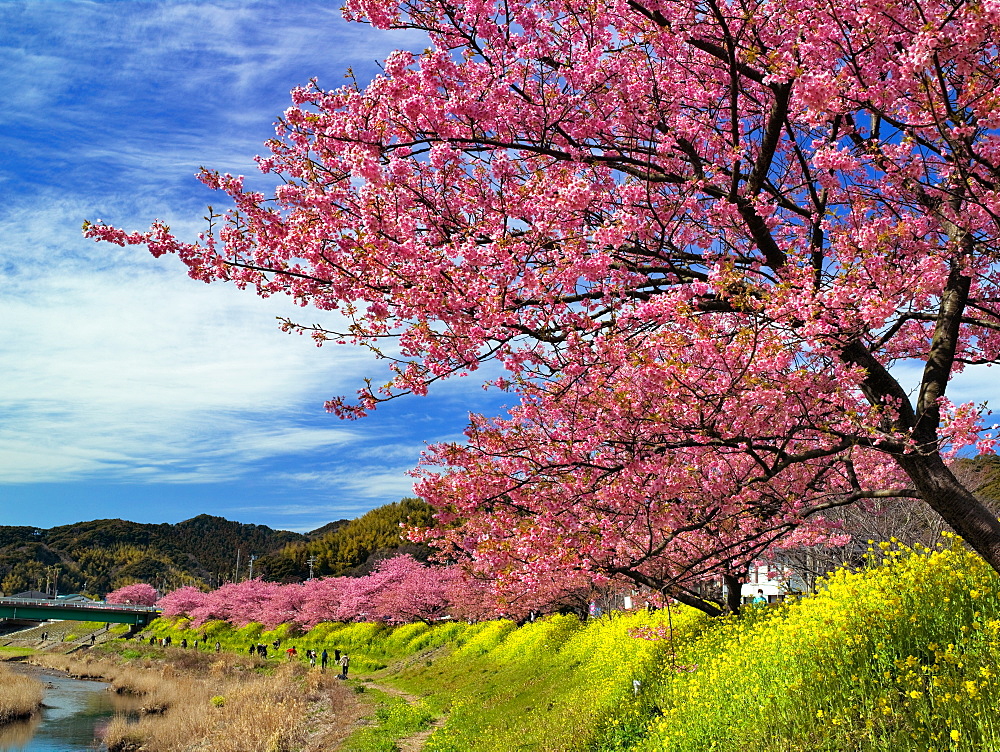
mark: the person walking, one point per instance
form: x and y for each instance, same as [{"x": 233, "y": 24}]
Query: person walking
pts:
[
  {"x": 345, "y": 661},
  {"x": 324, "y": 658}
]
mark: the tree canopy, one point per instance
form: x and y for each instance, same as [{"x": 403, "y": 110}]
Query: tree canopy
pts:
[{"x": 702, "y": 238}]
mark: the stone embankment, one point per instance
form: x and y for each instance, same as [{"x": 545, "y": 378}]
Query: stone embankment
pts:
[{"x": 59, "y": 637}]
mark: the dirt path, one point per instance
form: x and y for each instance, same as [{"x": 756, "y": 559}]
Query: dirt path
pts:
[
  {"x": 414, "y": 742},
  {"x": 332, "y": 728}
]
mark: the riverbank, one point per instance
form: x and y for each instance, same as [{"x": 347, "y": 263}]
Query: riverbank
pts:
[
  {"x": 73, "y": 715},
  {"x": 897, "y": 657},
  {"x": 901, "y": 656},
  {"x": 20, "y": 695},
  {"x": 192, "y": 700}
]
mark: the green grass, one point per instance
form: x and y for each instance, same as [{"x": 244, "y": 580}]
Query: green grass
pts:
[
  {"x": 394, "y": 719},
  {"x": 553, "y": 684},
  {"x": 12, "y": 654}
]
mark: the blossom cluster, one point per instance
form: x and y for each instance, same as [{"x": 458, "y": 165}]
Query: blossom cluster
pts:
[{"x": 138, "y": 594}]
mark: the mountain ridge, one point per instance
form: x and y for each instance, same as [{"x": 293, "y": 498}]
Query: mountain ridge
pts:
[{"x": 96, "y": 556}]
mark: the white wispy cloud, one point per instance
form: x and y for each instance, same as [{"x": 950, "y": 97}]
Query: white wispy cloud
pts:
[
  {"x": 116, "y": 371},
  {"x": 116, "y": 366}
]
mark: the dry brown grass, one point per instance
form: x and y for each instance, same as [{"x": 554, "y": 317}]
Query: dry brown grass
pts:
[
  {"x": 20, "y": 696},
  {"x": 200, "y": 702}
]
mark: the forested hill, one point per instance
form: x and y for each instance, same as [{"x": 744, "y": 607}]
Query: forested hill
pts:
[
  {"x": 981, "y": 475},
  {"x": 352, "y": 547},
  {"x": 98, "y": 556}
]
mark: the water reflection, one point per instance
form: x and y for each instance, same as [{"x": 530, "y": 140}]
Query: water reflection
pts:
[
  {"x": 17, "y": 734},
  {"x": 74, "y": 714}
]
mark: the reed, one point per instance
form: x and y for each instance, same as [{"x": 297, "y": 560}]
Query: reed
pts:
[
  {"x": 194, "y": 702},
  {"x": 20, "y": 696}
]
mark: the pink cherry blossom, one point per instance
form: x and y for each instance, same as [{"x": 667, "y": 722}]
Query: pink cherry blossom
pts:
[{"x": 139, "y": 594}]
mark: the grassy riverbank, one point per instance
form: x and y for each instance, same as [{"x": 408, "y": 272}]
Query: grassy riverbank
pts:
[
  {"x": 192, "y": 700},
  {"x": 902, "y": 656},
  {"x": 20, "y": 696}
]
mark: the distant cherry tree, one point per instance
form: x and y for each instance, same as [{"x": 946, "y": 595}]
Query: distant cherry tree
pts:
[
  {"x": 399, "y": 591},
  {"x": 139, "y": 594},
  {"x": 182, "y": 601},
  {"x": 410, "y": 591}
]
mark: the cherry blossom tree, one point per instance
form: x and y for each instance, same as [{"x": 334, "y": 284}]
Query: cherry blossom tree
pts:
[
  {"x": 139, "y": 594},
  {"x": 634, "y": 498},
  {"x": 249, "y": 601},
  {"x": 323, "y": 600},
  {"x": 182, "y": 601},
  {"x": 703, "y": 238},
  {"x": 410, "y": 591}
]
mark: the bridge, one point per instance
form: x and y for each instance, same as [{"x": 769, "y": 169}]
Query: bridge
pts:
[{"x": 43, "y": 610}]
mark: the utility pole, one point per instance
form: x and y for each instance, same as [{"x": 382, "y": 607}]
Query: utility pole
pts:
[
  {"x": 253, "y": 558},
  {"x": 237, "y": 578},
  {"x": 311, "y": 560}
]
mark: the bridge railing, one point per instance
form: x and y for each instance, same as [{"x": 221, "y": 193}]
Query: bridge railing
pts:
[{"x": 94, "y": 605}]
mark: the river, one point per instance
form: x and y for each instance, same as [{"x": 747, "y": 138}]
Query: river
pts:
[{"x": 70, "y": 721}]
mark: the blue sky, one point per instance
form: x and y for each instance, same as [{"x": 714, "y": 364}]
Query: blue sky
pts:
[{"x": 127, "y": 389}]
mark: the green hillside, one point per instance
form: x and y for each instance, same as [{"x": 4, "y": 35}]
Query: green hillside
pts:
[
  {"x": 352, "y": 547},
  {"x": 100, "y": 555},
  {"x": 981, "y": 475}
]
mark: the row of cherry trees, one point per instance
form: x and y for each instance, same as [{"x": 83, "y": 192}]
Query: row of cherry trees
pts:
[{"x": 400, "y": 590}]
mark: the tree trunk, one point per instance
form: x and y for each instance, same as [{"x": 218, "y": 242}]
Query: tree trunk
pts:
[
  {"x": 688, "y": 599},
  {"x": 734, "y": 592},
  {"x": 966, "y": 514}
]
